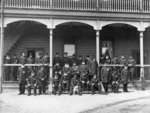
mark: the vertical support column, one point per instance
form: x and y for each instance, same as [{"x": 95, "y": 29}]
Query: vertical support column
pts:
[
  {"x": 141, "y": 56},
  {"x": 1, "y": 44},
  {"x": 97, "y": 45},
  {"x": 1, "y": 59},
  {"x": 51, "y": 57}
]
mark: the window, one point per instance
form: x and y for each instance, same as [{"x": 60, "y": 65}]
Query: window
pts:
[{"x": 70, "y": 49}]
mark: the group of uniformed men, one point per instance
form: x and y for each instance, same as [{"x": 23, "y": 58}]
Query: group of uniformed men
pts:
[{"x": 70, "y": 74}]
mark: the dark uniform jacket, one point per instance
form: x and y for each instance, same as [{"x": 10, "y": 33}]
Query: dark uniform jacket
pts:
[
  {"x": 30, "y": 61},
  {"x": 108, "y": 60},
  {"x": 32, "y": 80},
  {"x": 89, "y": 63},
  {"x": 74, "y": 59},
  {"x": 74, "y": 82},
  {"x": 83, "y": 70},
  {"x": 102, "y": 61},
  {"x": 95, "y": 81},
  {"x": 66, "y": 60},
  {"x": 39, "y": 60},
  {"x": 57, "y": 60},
  {"x": 122, "y": 61},
  {"x": 132, "y": 62},
  {"x": 115, "y": 75},
  {"x": 7, "y": 68},
  {"x": 42, "y": 76},
  {"x": 86, "y": 61},
  {"x": 125, "y": 76},
  {"x": 74, "y": 70},
  {"x": 65, "y": 79},
  {"x": 23, "y": 60},
  {"x": 56, "y": 68},
  {"x": 14, "y": 61},
  {"x": 66, "y": 69},
  {"x": 79, "y": 61},
  {"x": 93, "y": 68},
  {"x": 105, "y": 74},
  {"x": 45, "y": 60},
  {"x": 56, "y": 81},
  {"x": 114, "y": 61},
  {"x": 22, "y": 75}
]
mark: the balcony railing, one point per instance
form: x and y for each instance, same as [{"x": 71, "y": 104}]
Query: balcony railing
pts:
[{"x": 89, "y": 5}]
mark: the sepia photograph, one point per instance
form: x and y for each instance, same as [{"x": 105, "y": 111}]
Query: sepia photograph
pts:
[{"x": 74, "y": 56}]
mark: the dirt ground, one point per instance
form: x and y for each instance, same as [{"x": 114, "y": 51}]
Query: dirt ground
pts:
[{"x": 132, "y": 102}]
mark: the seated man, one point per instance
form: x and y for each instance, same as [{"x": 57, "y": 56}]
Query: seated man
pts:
[
  {"x": 84, "y": 75},
  {"x": 75, "y": 86},
  {"x": 56, "y": 83},
  {"x": 57, "y": 69},
  {"x": 74, "y": 70},
  {"x": 115, "y": 79},
  {"x": 95, "y": 84},
  {"x": 32, "y": 83},
  {"x": 83, "y": 69},
  {"x": 66, "y": 70},
  {"x": 64, "y": 82}
]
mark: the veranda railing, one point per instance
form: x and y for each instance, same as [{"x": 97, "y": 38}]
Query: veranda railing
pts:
[{"x": 89, "y": 5}]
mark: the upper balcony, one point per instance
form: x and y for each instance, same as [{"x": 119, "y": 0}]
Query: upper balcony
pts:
[{"x": 138, "y": 6}]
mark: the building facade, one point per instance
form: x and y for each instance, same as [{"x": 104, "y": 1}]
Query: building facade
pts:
[{"x": 82, "y": 27}]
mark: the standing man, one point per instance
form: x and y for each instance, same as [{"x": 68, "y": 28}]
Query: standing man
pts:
[
  {"x": 57, "y": 59},
  {"x": 101, "y": 62},
  {"x": 87, "y": 59},
  {"x": 79, "y": 60},
  {"x": 73, "y": 59},
  {"x": 105, "y": 75},
  {"x": 46, "y": 67},
  {"x": 14, "y": 69},
  {"x": 7, "y": 69},
  {"x": 22, "y": 75},
  {"x": 102, "y": 59},
  {"x": 125, "y": 77},
  {"x": 93, "y": 69},
  {"x": 107, "y": 59},
  {"x": 89, "y": 63},
  {"x": 131, "y": 63},
  {"x": 122, "y": 61},
  {"x": 65, "y": 59},
  {"x": 115, "y": 60},
  {"x": 23, "y": 58},
  {"x": 39, "y": 60},
  {"x": 30, "y": 60},
  {"x": 42, "y": 80}
]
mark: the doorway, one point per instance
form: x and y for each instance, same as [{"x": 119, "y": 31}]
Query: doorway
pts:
[{"x": 35, "y": 52}]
